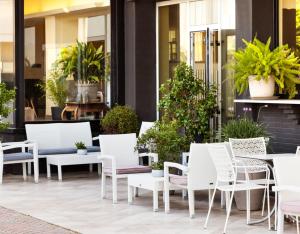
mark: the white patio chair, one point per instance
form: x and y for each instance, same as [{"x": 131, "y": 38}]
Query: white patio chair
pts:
[
  {"x": 21, "y": 157},
  {"x": 198, "y": 174},
  {"x": 250, "y": 147},
  {"x": 288, "y": 188},
  {"x": 120, "y": 158},
  {"x": 227, "y": 181}
]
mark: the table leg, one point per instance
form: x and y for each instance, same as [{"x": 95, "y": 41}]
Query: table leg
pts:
[
  {"x": 130, "y": 194},
  {"x": 99, "y": 169},
  {"x": 91, "y": 168},
  {"x": 59, "y": 172},
  {"x": 155, "y": 199},
  {"x": 48, "y": 171}
]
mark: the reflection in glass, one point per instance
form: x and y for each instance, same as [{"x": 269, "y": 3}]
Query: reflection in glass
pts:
[
  {"x": 64, "y": 41},
  {"x": 7, "y": 60}
]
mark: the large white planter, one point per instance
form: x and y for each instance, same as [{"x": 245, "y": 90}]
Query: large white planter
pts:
[
  {"x": 157, "y": 173},
  {"x": 261, "y": 88},
  {"x": 88, "y": 89}
]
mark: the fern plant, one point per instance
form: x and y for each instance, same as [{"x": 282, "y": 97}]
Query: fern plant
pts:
[{"x": 258, "y": 59}]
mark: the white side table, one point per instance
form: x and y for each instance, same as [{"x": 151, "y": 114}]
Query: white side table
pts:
[
  {"x": 71, "y": 159},
  {"x": 145, "y": 181}
]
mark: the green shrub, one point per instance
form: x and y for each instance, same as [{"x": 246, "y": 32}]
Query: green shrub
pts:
[
  {"x": 6, "y": 96},
  {"x": 243, "y": 128},
  {"x": 189, "y": 101},
  {"x": 120, "y": 120},
  {"x": 165, "y": 140}
]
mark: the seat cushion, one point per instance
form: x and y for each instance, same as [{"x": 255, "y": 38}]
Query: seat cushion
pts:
[
  {"x": 71, "y": 150},
  {"x": 17, "y": 156},
  {"x": 291, "y": 207},
  {"x": 178, "y": 180},
  {"x": 130, "y": 170}
]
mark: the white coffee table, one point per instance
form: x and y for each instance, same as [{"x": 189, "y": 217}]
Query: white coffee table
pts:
[
  {"x": 60, "y": 160},
  {"x": 145, "y": 181}
]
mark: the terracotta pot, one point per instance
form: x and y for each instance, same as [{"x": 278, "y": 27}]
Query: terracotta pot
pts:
[{"x": 261, "y": 88}]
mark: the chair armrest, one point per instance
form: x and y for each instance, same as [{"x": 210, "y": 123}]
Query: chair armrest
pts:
[
  {"x": 95, "y": 138},
  {"x": 181, "y": 167},
  {"x": 154, "y": 156},
  {"x": 112, "y": 158},
  {"x": 185, "y": 156},
  {"x": 14, "y": 145},
  {"x": 287, "y": 188}
]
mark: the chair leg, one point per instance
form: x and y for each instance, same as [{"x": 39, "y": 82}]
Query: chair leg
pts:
[
  {"x": 268, "y": 204},
  {"x": 280, "y": 224},
  {"x": 36, "y": 171},
  {"x": 91, "y": 168},
  {"x": 263, "y": 204},
  {"x": 191, "y": 196},
  {"x": 210, "y": 206},
  {"x": 29, "y": 168},
  {"x": 103, "y": 185},
  {"x": 1, "y": 172},
  {"x": 297, "y": 223},
  {"x": 222, "y": 200},
  {"x": 24, "y": 171},
  {"x": 114, "y": 189},
  {"x": 228, "y": 212},
  {"x": 167, "y": 196},
  {"x": 276, "y": 211},
  {"x": 248, "y": 205}
]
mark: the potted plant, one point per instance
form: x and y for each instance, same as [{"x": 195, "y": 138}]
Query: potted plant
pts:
[
  {"x": 242, "y": 129},
  {"x": 85, "y": 64},
  {"x": 6, "y": 97},
  {"x": 56, "y": 90},
  {"x": 166, "y": 141},
  {"x": 81, "y": 148},
  {"x": 259, "y": 67},
  {"x": 157, "y": 169},
  {"x": 120, "y": 120},
  {"x": 180, "y": 102}
]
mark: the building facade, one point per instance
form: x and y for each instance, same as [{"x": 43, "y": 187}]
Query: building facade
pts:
[{"x": 146, "y": 39}]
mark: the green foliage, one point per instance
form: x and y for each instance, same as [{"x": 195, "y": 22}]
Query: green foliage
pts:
[
  {"x": 6, "y": 96},
  {"x": 258, "y": 59},
  {"x": 83, "y": 61},
  {"x": 56, "y": 86},
  {"x": 243, "y": 128},
  {"x": 189, "y": 101},
  {"x": 157, "y": 166},
  {"x": 165, "y": 140},
  {"x": 120, "y": 120},
  {"x": 80, "y": 145}
]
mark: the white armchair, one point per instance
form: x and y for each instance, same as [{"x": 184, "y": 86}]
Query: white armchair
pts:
[
  {"x": 21, "y": 157},
  {"x": 288, "y": 189},
  {"x": 198, "y": 174},
  {"x": 120, "y": 158}
]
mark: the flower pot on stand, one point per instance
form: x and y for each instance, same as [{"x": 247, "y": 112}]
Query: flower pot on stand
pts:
[
  {"x": 263, "y": 88},
  {"x": 157, "y": 173}
]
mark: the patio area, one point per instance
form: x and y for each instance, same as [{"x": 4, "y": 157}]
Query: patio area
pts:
[{"x": 76, "y": 204}]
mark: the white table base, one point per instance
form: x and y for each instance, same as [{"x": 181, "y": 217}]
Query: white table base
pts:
[{"x": 72, "y": 159}]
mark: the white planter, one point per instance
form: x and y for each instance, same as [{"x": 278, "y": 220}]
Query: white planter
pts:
[
  {"x": 82, "y": 151},
  {"x": 261, "y": 88},
  {"x": 88, "y": 89},
  {"x": 157, "y": 173}
]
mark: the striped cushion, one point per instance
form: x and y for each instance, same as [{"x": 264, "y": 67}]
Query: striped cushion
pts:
[
  {"x": 291, "y": 207},
  {"x": 178, "y": 180},
  {"x": 130, "y": 170}
]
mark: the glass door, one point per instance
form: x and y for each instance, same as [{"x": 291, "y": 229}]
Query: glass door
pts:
[{"x": 206, "y": 62}]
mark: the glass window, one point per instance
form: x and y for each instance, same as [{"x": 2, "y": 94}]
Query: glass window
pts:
[
  {"x": 66, "y": 59},
  {"x": 7, "y": 45},
  {"x": 290, "y": 24}
]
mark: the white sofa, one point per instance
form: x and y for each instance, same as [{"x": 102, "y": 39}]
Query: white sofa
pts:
[{"x": 60, "y": 138}]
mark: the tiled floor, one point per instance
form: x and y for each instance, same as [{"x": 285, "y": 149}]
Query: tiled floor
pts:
[{"x": 75, "y": 204}]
